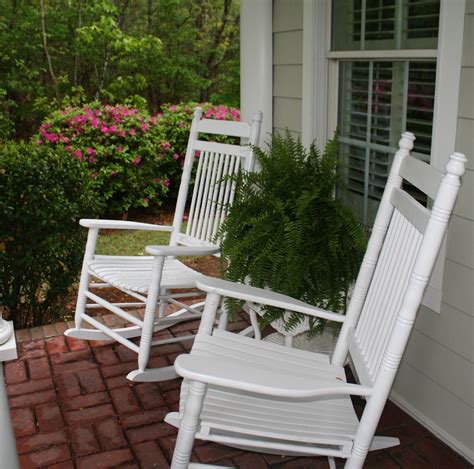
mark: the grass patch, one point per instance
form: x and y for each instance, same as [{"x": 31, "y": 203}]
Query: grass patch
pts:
[{"x": 129, "y": 242}]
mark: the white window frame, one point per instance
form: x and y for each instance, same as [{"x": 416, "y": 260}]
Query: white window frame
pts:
[{"x": 320, "y": 90}]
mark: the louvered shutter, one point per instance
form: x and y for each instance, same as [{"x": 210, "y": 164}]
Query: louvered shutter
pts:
[{"x": 378, "y": 101}]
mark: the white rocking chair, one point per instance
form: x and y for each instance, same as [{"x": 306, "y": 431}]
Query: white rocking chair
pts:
[
  {"x": 150, "y": 280},
  {"x": 264, "y": 397}
]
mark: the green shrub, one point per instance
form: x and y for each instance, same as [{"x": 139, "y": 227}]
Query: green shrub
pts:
[
  {"x": 43, "y": 195},
  {"x": 134, "y": 159},
  {"x": 286, "y": 231},
  {"x": 119, "y": 146},
  {"x": 175, "y": 122}
]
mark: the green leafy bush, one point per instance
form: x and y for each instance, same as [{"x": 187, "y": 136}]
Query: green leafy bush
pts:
[
  {"x": 286, "y": 230},
  {"x": 120, "y": 147},
  {"x": 43, "y": 195},
  {"x": 134, "y": 159},
  {"x": 175, "y": 122}
]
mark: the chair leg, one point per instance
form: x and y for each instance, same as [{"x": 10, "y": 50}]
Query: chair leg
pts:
[
  {"x": 188, "y": 425},
  {"x": 81, "y": 299},
  {"x": 150, "y": 312},
  {"x": 223, "y": 318}
]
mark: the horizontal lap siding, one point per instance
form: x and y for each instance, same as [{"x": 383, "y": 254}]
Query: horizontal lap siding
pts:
[
  {"x": 287, "y": 65},
  {"x": 436, "y": 379}
]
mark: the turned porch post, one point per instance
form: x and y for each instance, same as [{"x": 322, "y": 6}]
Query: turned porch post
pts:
[{"x": 8, "y": 453}]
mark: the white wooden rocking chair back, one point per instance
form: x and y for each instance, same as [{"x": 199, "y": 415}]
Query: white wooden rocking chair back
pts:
[
  {"x": 306, "y": 392},
  {"x": 213, "y": 191},
  {"x": 151, "y": 281}
]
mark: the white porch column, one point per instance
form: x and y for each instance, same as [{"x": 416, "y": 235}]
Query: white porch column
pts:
[
  {"x": 256, "y": 68},
  {"x": 8, "y": 453}
]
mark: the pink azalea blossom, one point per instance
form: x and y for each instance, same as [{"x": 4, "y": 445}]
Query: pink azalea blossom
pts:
[
  {"x": 118, "y": 149},
  {"x": 113, "y": 173},
  {"x": 152, "y": 120},
  {"x": 94, "y": 175},
  {"x": 175, "y": 156},
  {"x": 180, "y": 124},
  {"x": 159, "y": 115},
  {"x": 91, "y": 159},
  {"x": 132, "y": 131},
  {"x": 122, "y": 133},
  {"x": 157, "y": 180},
  {"x": 113, "y": 128},
  {"x": 78, "y": 154},
  {"x": 137, "y": 160},
  {"x": 68, "y": 148},
  {"x": 146, "y": 200},
  {"x": 90, "y": 151},
  {"x": 172, "y": 108},
  {"x": 39, "y": 142},
  {"x": 166, "y": 182},
  {"x": 144, "y": 127}
]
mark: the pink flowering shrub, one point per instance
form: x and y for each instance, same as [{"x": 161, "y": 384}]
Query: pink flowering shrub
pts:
[
  {"x": 120, "y": 146},
  {"x": 175, "y": 122},
  {"x": 134, "y": 159}
]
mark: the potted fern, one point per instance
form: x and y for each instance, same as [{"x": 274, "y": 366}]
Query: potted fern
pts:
[{"x": 287, "y": 231}]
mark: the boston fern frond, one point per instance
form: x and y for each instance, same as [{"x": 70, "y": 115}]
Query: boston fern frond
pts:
[{"x": 286, "y": 230}]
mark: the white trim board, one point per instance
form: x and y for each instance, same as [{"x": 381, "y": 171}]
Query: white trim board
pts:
[{"x": 434, "y": 428}]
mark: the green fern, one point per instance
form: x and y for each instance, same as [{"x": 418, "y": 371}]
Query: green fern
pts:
[{"x": 287, "y": 231}]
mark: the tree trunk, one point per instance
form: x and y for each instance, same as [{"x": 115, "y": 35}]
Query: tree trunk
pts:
[{"x": 46, "y": 52}]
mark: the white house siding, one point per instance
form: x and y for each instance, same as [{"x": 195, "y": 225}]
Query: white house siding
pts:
[
  {"x": 436, "y": 379},
  {"x": 435, "y": 383},
  {"x": 287, "y": 65}
]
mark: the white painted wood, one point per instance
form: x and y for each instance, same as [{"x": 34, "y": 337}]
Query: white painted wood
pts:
[
  {"x": 152, "y": 280},
  {"x": 267, "y": 397},
  {"x": 443, "y": 370},
  {"x": 287, "y": 15},
  {"x": 436, "y": 409},
  {"x": 458, "y": 291},
  {"x": 316, "y": 45},
  {"x": 287, "y": 113},
  {"x": 287, "y": 81},
  {"x": 411, "y": 170},
  {"x": 468, "y": 44},
  {"x": 465, "y": 140},
  {"x": 466, "y": 104},
  {"x": 465, "y": 207},
  {"x": 123, "y": 225},
  {"x": 217, "y": 127},
  {"x": 8, "y": 351},
  {"x": 256, "y": 61},
  {"x": 288, "y": 47},
  {"x": 384, "y": 54},
  {"x": 460, "y": 237}
]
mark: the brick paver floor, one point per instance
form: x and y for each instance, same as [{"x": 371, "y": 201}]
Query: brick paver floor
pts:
[{"x": 72, "y": 407}]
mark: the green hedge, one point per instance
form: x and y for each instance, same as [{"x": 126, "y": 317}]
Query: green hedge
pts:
[{"x": 43, "y": 195}]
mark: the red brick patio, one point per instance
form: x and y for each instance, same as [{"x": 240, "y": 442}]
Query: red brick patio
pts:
[{"x": 72, "y": 407}]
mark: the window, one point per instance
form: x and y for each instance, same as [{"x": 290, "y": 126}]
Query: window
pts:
[{"x": 379, "y": 97}]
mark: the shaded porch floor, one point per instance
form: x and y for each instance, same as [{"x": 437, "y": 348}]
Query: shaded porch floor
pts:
[{"x": 72, "y": 407}]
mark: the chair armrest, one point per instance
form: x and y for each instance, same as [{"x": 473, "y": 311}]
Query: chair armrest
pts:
[
  {"x": 123, "y": 225},
  {"x": 182, "y": 250},
  {"x": 265, "y": 297},
  {"x": 261, "y": 380}
]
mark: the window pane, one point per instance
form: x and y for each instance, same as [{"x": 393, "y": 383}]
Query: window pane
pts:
[
  {"x": 378, "y": 100},
  {"x": 384, "y": 24}
]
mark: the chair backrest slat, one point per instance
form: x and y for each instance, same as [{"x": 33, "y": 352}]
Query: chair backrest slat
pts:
[
  {"x": 424, "y": 177},
  {"x": 401, "y": 253},
  {"x": 410, "y": 209},
  {"x": 213, "y": 190}
]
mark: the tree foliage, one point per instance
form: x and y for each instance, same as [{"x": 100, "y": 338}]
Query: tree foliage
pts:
[{"x": 68, "y": 52}]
